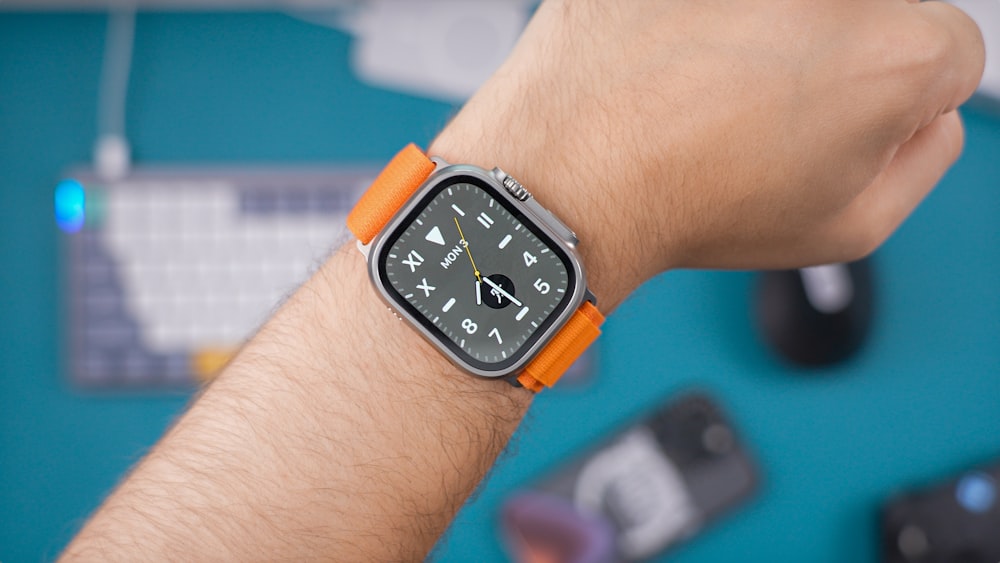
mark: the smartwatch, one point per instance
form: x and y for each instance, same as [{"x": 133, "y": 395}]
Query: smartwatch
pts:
[{"x": 478, "y": 267}]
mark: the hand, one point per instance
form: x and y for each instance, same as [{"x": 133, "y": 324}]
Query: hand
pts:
[
  {"x": 749, "y": 134},
  {"x": 475, "y": 270}
]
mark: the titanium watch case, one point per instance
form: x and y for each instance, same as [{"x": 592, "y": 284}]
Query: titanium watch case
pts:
[{"x": 515, "y": 196}]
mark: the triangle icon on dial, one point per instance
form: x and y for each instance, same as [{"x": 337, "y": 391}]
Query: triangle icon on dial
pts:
[{"x": 435, "y": 236}]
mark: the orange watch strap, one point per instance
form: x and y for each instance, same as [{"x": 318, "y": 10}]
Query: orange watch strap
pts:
[
  {"x": 573, "y": 338},
  {"x": 390, "y": 190}
]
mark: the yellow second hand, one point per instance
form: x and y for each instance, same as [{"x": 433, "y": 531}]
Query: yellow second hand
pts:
[{"x": 468, "y": 251}]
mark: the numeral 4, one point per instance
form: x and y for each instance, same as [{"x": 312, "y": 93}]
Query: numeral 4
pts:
[
  {"x": 496, "y": 333},
  {"x": 542, "y": 287},
  {"x": 529, "y": 258}
]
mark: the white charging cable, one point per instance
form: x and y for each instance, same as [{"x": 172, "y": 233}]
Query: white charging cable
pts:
[{"x": 112, "y": 155}]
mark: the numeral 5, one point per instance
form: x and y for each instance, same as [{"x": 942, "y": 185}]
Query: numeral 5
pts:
[{"x": 542, "y": 287}]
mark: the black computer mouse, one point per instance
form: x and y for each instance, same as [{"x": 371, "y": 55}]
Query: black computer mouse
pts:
[{"x": 819, "y": 315}]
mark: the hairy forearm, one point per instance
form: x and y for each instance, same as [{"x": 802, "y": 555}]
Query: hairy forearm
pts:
[{"x": 336, "y": 432}]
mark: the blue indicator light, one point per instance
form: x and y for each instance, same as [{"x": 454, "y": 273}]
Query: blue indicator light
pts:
[
  {"x": 69, "y": 205},
  {"x": 976, "y": 492}
]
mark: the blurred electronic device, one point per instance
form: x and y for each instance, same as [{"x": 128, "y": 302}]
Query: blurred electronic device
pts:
[
  {"x": 819, "y": 315},
  {"x": 954, "y": 522},
  {"x": 657, "y": 483},
  {"x": 986, "y": 13},
  {"x": 168, "y": 271}
]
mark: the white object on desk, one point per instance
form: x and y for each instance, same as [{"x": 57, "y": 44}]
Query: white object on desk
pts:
[{"x": 442, "y": 49}]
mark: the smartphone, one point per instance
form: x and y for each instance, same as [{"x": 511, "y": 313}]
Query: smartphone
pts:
[{"x": 651, "y": 486}]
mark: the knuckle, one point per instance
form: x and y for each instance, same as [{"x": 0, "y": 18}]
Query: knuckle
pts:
[
  {"x": 913, "y": 51},
  {"x": 929, "y": 48}
]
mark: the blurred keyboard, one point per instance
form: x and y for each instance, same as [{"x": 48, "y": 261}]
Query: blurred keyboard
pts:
[{"x": 168, "y": 272}]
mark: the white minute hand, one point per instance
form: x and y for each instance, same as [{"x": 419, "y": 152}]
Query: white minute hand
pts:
[{"x": 502, "y": 292}]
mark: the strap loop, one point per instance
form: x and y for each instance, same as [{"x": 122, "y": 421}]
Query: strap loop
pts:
[
  {"x": 390, "y": 190},
  {"x": 576, "y": 335}
]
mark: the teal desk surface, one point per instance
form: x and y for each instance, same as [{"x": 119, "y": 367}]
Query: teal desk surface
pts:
[{"x": 921, "y": 400}]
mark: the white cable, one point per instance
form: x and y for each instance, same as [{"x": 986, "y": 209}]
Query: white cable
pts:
[{"x": 111, "y": 153}]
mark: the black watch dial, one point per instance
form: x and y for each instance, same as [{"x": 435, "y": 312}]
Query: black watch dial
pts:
[{"x": 479, "y": 277}]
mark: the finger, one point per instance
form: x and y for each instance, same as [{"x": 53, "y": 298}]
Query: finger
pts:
[
  {"x": 912, "y": 173},
  {"x": 954, "y": 51}
]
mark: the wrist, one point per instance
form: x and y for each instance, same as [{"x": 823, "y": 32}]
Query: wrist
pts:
[{"x": 570, "y": 189}]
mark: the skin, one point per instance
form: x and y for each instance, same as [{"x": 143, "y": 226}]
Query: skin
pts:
[{"x": 748, "y": 134}]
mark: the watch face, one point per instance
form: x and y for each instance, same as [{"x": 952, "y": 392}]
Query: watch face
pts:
[{"x": 480, "y": 277}]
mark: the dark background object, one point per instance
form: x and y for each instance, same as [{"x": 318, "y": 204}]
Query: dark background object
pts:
[
  {"x": 816, "y": 316},
  {"x": 957, "y": 522},
  {"x": 657, "y": 483}
]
